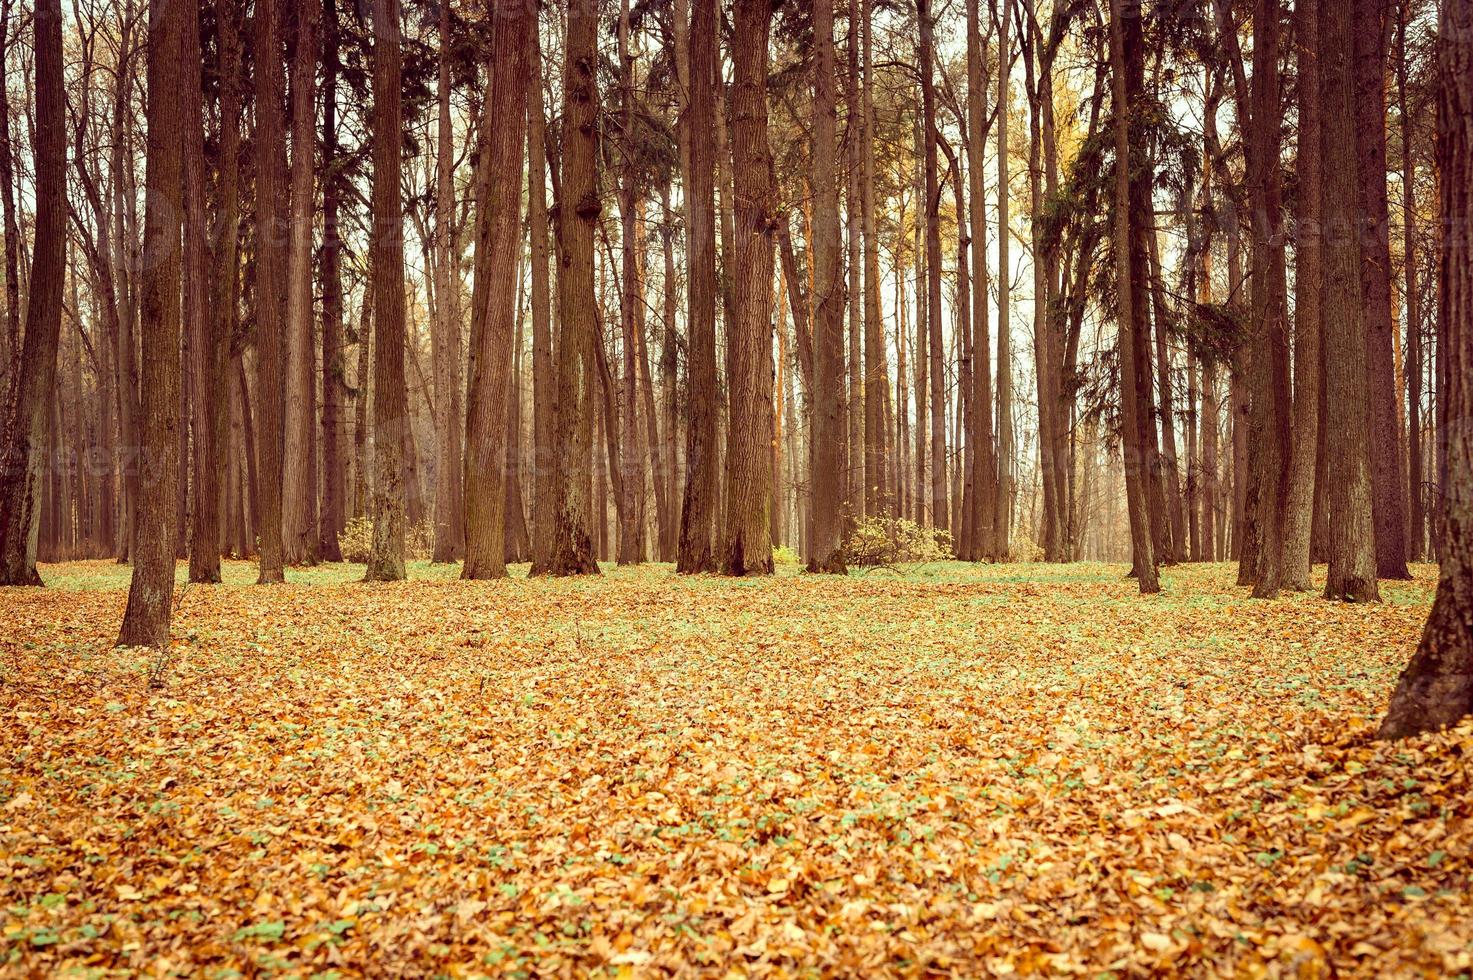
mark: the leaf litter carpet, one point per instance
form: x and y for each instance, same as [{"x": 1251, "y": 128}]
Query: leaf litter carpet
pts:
[{"x": 955, "y": 770}]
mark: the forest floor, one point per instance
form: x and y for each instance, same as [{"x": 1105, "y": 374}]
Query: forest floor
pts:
[{"x": 950, "y": 769}]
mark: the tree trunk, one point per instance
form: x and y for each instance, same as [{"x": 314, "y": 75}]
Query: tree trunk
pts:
[
  {"x": 494, "y": 296},
  {"x": 1387, "y": 486},
  {"x": 985, "y": 462},
  {"x": 449, "y": 518},
  {"x": 298, "y": 537},
  {"x": 1417, "y": 512},
  {"x": 333, "y": 366},
  {"x": 746, "y": 547},
  {"x": 28, "y": 412},
  {"x": 698, "y": 509},
  {"x": 940, "y": 509},
  {"x": 1308, "y": 282},
  {"x": 207, "y": 347},
  {"x": 1002, "y": 517},
  {"x": 391, "y": 422},
  {"x": 544, "y": 370},
  {"x": 826, "y": 552},
  {"x": 631, "y": 483},
  {"x": 578, "y": 213},
  {"x": 1436, "y": 689},
  {"x": 11, "y": 350},
  {"x": 270, "y": 281},
  {"x": 1352, "y": 574},
  {"x": 878, "y": 465},
  {"x": 1126, "y": 70},
  {"x": 855, "y": 480},
  {"x": 150, "y": 596}
]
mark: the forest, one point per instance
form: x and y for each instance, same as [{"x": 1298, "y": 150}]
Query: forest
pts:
[{"x": 736, "y": 487}]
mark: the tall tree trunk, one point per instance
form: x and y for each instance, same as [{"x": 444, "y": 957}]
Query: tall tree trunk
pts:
[
  {"x": 878, "y": 465},
  {"x": 362, "y": 454},
  {"x": 391, "y": 422},
  {"x": 28, "y": 411},
  {"x": 940, "y": 509},
  {"x": 1126, "y": 70},
  {"x": 1436, "y": 689},
  {"x": 449, "y": 519},
  {"x": 151, "y": 594},
  {"x": 11, "y": 350},
  {"x": 1417, "y": 512},
  {"x": 855, "y": 481},
  {"x": 1308, "y": 282},
  {"x": 207, "y": 347},
  {"x": 334, "y": 385},
  {"x": 631, "y": 483},
  {"x": 1352, "y": 574},
  {"x": 578, "y": 210},
  {"x": 299, "y": 537},
  {"x": 270, "y": 280},
  {"x": 1002, "y": 516},
  {"x": 698, "y": 509},
  {"x": 826, "y": 553},
  {"x": 667, "y": 470},
  {"x": 544, "y": 364},
  {"x": 1387, "y": 486},
  {"x": 494, "y": 296},
  {"x": 984, "y": 461},
  {"x": 747, "y": 543}
]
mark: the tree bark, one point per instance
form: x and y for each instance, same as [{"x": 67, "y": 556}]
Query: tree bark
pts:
[
  {"x": 878, "y": 464},
  {"x": 940, "y": 507},
  {"x": 1126, "y": 69},
  {"x": 698, "y": 509},
  {"x": 578, "y": 213},
  {"x": 270, "y": 280},
  {"x": 386, "y": 254},
  {"x": 28, "y": 412},
  {"x": 1436, "y": 689},
  {"x": 151, "y": 593},
  {"x": 544, "y": 364},
  {"x": 299, "y": 537},
  {"x": 1417, "y": 518},
  {"x": 984, "y": 461},
  {"x": 1352, "y": 574},
  {"x": 1387, "y": 486},
  {"x": 334, "y": 386},
  {"x": 746, "y": 547},
  {"x": 1002, "y": 516},
  {"x": 450, "y": 529},
  {"x": 829, "y": 434},
  {"x": 1308, "y": 282},
  {"x": 494, "y": 296}
]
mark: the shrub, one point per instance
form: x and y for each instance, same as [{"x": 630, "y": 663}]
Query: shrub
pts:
[
  {"x": 880, "y": 541},
  {"x": 356, "y": 540},
  {"x": 783, "y": 555}
]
